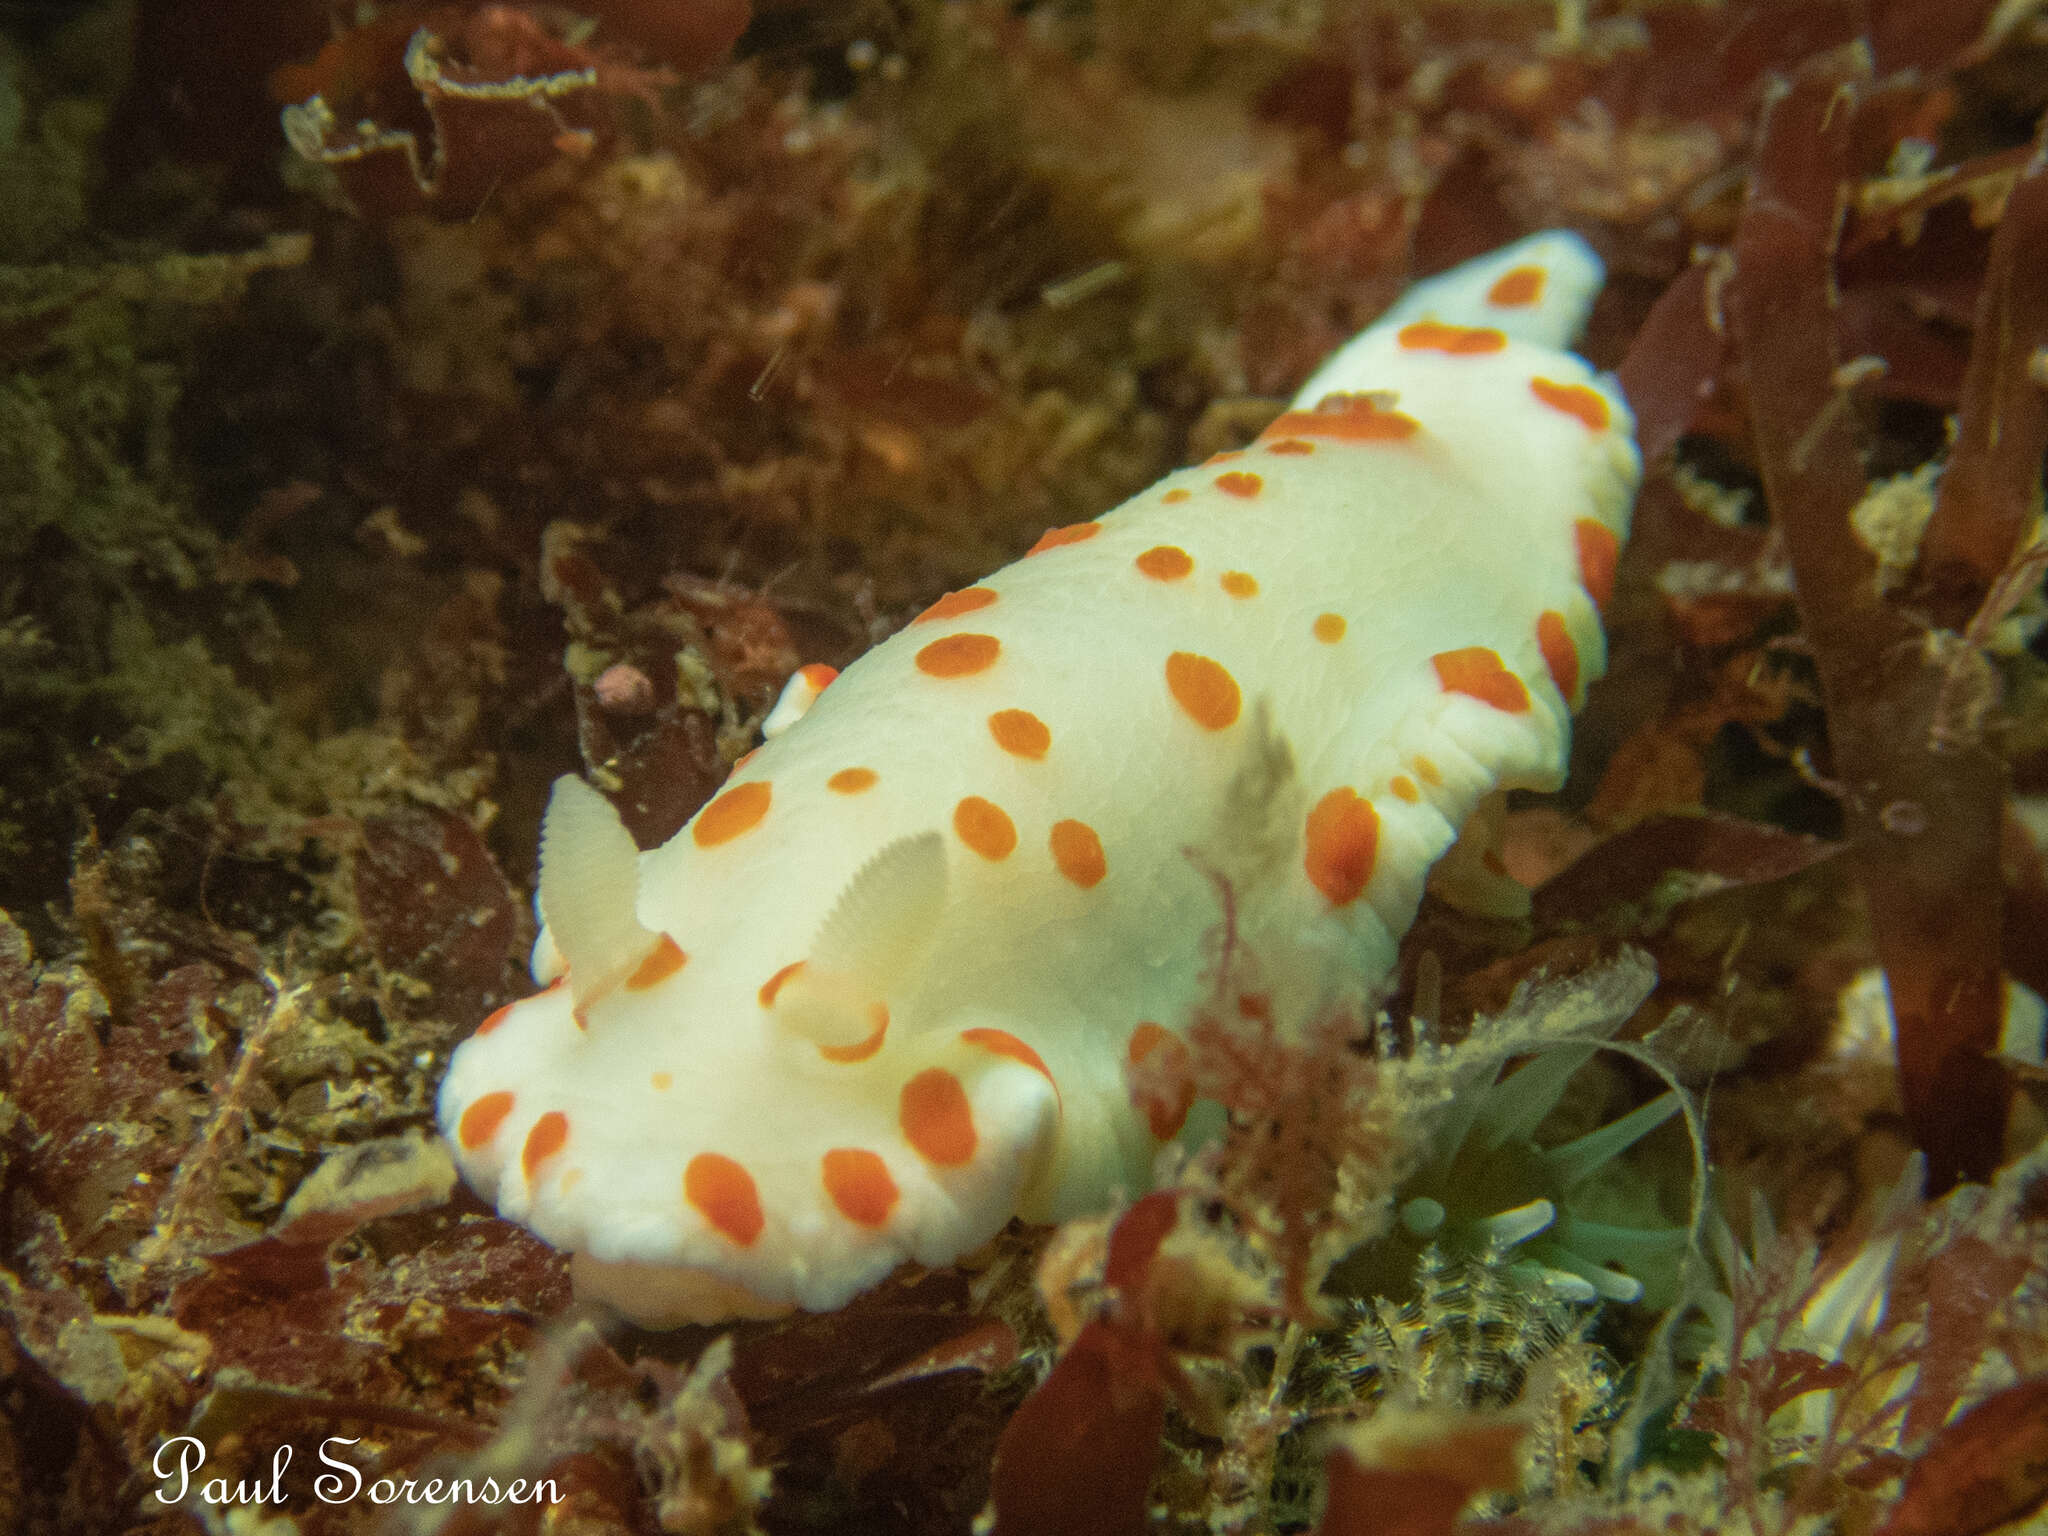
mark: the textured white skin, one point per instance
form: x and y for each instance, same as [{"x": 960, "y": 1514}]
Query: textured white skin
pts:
[{"x": 1458, "y": 537}]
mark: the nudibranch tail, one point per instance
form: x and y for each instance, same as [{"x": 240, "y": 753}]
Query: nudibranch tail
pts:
[
  {"x": 884, "y": 991},
  {"x": 1539, "y": 289}
]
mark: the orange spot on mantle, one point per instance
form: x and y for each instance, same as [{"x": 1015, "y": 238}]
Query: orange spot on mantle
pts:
[
  {"x": 1587, "y": 406},
  {"x": 1559, "y": 654},
  {"x": 936, "y": 1118},
  {"x": 1165, "y": 562},
  {"x": 1003, "y": 1043},
  {"x": 953, "y": 604},
  {"x": 724, "y": 1194},
  {"x": 1457, "y": 340},
  {"x": 1204, "y": 689},
  {"x": 1073, "y": 533},
  {"x": 549, "y": 1135},
  {"x": 1145, "y": 1039},
  {"x": 1343, "y": 845},
  {"x": 984, "y": 827},
  {"x": 1020, "y": 733},
  {"x": 859, "y": 1185},
  {"x": 1598, "y": 549},
  {"x": 851, "y": 781},
  {"x": 1166, "y": 1099},
  {"x": 959, "y": 655},
  {"x": 1478, "y": 672},
  {"x": 480, "y": 1122},
  {"x": 739, "y": 810},
  {"x": 1518, "y": 288},
  {"x": 1077, "y": 852},
  {"x": 1349, "y": 418}
]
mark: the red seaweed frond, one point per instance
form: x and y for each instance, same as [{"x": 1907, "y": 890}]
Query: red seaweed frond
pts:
[
  {"x": 1410, "y": 1473},
  {"x": 1077, "y": 1458},
  {"x": 1922, "y": 798}
]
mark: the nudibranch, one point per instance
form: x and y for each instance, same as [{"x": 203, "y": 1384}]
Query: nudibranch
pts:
[{"x": 880, "y": 994}]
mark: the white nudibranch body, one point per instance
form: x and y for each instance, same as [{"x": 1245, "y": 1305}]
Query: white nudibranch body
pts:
[{"x": 879, "y": 995}]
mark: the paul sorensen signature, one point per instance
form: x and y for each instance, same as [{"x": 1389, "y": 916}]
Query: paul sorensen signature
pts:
[{"x": 342, "y": 1484}]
